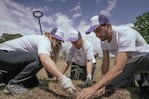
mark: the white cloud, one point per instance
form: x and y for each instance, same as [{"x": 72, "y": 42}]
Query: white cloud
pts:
[
  {"x": 82, "y": 27},
  {"x": 62, "y": 20},
  {"x": 16, "y": 18},
  {"x": 111, "y": 5},
  {"x": 129, "y": 25},
  {"x": 76, "y": 15},
  {"x": 77, "y": 10}
]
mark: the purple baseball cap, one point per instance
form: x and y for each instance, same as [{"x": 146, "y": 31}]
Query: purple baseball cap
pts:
[
  {"x": 97, "y": 21},
  {"x": 58, "y": 33},
  {"x": 74, "y": 36}
]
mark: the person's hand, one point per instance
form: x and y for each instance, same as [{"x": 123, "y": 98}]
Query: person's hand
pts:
[
  {"x": 86, "y": 93},
  {"x": 88, "y": 82},
  {"x": 100, "y": 92},
  {"x": 66, "y": 84}
]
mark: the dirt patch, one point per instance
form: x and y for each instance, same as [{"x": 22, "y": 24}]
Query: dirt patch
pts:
[{"x": 50, "y": 89}]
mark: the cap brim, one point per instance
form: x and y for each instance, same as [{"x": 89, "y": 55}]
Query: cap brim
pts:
[
  {"x": 72, "y": 39},
  {"x": 92, "y": 28},
  {"x": 59, "y": 38}
]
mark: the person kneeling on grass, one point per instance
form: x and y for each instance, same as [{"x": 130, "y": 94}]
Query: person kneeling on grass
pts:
[
  {"x": 26, "y": 55},
  {"x": 130, "y": 49},
  {"x": 81, "y": 58}
]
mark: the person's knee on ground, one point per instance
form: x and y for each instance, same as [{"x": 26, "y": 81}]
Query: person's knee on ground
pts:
[
  {"x": 28, "y": 71},
  {"x": 32, "y": 82},
  {"x": 143, "y": 85}
]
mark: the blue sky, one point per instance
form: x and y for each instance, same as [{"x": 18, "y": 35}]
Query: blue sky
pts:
[
  {"x": 119, "y": 11},
  {"x": 16, "y": 16}
]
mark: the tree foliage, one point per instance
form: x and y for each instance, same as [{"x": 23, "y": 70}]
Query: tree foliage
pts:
[
  {"x": 6, "y": 37},
  {"x": 142, "y": 25}
]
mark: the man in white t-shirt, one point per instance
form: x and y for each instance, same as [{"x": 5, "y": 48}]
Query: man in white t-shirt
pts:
[
  {"x": 130, "y": 49},
  {"x": 25, "y": 56},
  {"x": 80, "y": 56}
]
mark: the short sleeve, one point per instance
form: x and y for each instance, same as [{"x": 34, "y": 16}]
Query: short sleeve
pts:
[
  {"x": 44, "y": 46},
  {"x": 90, "y": 53},
  {"x": 127, "y": 41}
]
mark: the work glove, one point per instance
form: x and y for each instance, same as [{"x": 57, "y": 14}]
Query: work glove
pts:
[
  {"x": 88, "y": 81},
  {"x": 66, "y": 84}
]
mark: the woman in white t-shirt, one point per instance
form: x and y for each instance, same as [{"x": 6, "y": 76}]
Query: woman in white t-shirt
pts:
[
  {"x": 130, "y": 49},
  {"x": 26, "y": 55},
  {"x": 80, "y": 56}
]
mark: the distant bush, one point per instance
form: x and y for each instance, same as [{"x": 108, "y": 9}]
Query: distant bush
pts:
[{"x": 6, "y": 37}]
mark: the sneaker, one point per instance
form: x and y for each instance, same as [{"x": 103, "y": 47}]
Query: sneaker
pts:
[
  {"x": 6, "y": 91},
  {"x": 14, "y": 89}
]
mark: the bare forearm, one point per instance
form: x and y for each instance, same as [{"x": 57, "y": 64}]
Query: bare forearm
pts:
[
  {"x": 89, "y": 67},
  {"x": 51, "y": 67},
  {"x": 105, "y": 62},
  {"x": 105, "y": 68},
  {"x": 107, "y": 78},
  {"x": 65, "y": 68},
  {"x": 121, "y": 60}
]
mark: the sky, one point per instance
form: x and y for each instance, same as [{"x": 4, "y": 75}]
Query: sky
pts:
[{"x": 16, "y": 16}]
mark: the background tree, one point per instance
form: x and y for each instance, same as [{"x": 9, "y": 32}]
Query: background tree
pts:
[
  {"x": 6, "y": 37},
  {"x": 142, "y": 25}
]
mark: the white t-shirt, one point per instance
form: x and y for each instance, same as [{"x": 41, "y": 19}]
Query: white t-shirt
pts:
[
  {"x": 126, "y": 39},
  {"x": 80, "y": 56},
  {"x": 30, "y": 43}
]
